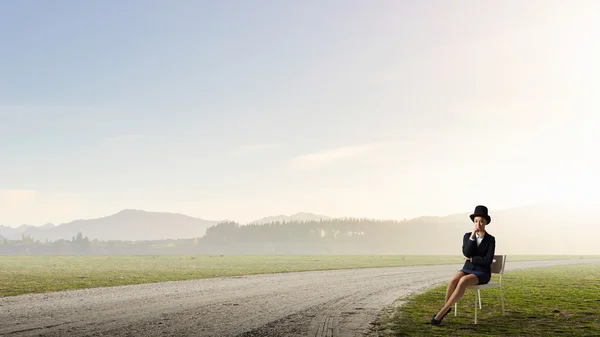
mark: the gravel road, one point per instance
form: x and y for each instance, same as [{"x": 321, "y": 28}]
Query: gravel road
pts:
[{"x": 322, "y": 303}]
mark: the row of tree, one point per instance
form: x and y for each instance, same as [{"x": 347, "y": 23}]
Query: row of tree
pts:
[{"x": 335, "y": 236}]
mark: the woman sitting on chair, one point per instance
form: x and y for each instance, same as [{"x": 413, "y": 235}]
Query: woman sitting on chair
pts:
[{"x": 478, "y": 248}]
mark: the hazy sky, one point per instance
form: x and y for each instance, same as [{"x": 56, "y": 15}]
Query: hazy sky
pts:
[{"x": 244, "y": 109}]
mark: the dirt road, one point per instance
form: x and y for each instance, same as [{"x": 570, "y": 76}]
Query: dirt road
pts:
[{"x": 324, "y": 303}]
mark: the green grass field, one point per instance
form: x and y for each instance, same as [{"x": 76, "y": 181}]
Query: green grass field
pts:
[
  {"x": 35, "y": 274},
  {"x": 550, "y": 301}
]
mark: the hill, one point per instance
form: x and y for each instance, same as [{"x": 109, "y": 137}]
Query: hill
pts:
[
  {"x": 126, "y": 225},
  {"x": 15, "y": 232}
]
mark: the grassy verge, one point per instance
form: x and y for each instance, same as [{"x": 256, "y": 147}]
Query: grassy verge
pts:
[
  {"x": 550, "y": 301},
  {"x": 34, "y": 274}
]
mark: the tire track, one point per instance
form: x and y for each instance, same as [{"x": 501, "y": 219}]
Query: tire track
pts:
[{"x": 328, "y": 322}]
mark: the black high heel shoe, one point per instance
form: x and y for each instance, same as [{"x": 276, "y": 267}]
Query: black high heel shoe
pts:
[{"x": 435, "y": 321}]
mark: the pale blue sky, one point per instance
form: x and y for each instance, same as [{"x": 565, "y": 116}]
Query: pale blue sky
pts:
[{"x": 244, "y": 109}]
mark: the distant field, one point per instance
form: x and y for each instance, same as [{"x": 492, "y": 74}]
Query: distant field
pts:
[
  {"x": 35, "y": 274},
  {"x": 549, "y": 301}
]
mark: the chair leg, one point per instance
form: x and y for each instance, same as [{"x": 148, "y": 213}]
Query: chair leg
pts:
[
  {"x": 455, "y": 308},
  {"x": 479, "y": 295},
  {"x": 476, "y": 300},
  {"x": 502, "y": 299}
]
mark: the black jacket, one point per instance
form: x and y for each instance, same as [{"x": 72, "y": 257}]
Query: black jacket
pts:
[{"x": 482, "y": 256}]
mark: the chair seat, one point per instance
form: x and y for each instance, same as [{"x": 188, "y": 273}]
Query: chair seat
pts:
[{"x": 484, "y": 286}]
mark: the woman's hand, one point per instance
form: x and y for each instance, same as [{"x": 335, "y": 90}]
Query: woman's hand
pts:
[
  {"x": 473, "y": 234},
  {"x": 468, "y": 259}
]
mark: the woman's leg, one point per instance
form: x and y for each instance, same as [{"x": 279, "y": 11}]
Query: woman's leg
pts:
[
  {"x": 465, "y": 281},
  {"x": 452, "y": 284}
]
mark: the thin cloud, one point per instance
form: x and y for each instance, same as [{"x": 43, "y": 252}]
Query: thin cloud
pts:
[
  {"x": 49, "y": 111},
  {"x": 124, "y": 139},
  {"x": 10, "y": 199},
  {"x": 258, "y": 148},
  {"x": 326, "y": 157}
]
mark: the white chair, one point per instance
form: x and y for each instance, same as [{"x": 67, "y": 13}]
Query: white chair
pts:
[{"x": 497, "y": 267}]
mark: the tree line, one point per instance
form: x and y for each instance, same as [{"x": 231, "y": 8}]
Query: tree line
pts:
[{"x": 334, "y": 236}]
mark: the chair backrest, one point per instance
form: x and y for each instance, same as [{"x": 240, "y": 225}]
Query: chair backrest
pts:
[{"x": 498, "y": 264}]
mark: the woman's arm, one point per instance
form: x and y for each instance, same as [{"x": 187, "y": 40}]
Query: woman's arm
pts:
[
  {"x": 487, "y": 259},
  {"x": 469, "y": 245}
]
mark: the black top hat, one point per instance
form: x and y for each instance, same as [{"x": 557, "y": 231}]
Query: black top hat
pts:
[{"x": 481, "y": 211}]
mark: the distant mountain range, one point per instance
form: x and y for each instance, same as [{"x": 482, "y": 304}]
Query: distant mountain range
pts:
[
  {"x": 543, "y": 228},
  {"x": 135, "y": 225},
  {"x": 14, "y": 233},
  {"x": 126, "y": 225}
]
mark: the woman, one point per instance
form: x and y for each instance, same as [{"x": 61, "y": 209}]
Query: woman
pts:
[{"x": 478, "y": 248}]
